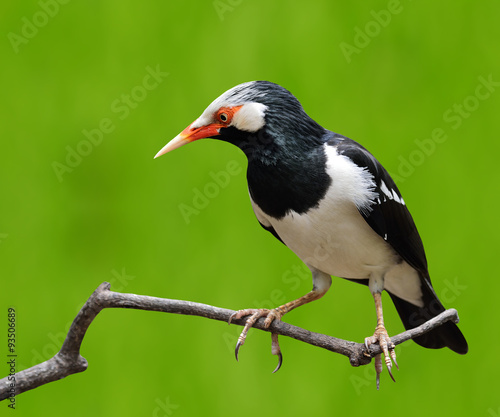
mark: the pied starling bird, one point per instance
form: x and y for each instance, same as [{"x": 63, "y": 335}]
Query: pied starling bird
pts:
[{"x": 332, "y": 203}]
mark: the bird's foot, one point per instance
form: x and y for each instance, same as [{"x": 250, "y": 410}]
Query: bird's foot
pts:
[
  {"x": 255, "y": 314},
  {"x": 382, "y": 337}
]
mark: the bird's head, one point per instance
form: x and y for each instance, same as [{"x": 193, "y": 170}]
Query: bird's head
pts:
[{"x": 251, "y": 115}]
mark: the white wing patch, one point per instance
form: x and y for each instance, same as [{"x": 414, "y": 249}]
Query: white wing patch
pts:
[
  {"x": 397, "y": 198},
  {"x": 390, "y": 194},
  {"x": 385, "y": 190}
]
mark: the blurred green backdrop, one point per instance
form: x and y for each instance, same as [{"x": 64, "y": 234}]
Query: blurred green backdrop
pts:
[{"x": 77, "y": 211}]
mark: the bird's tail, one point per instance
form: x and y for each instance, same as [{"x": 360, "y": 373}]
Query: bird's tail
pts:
[{"x": 446, "y": 335}]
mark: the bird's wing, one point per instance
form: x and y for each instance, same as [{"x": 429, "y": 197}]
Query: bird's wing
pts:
[
  {"x": 387, "y": 215},
  {"x": 390, "y": 218}
]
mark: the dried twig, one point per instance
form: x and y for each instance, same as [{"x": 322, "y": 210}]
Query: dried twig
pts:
[{"x": 69, "y": 361}]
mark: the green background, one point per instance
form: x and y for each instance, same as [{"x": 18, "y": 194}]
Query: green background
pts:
[{"x": 114, "y": 215}]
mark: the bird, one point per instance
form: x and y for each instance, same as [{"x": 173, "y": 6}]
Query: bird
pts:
[{"x": 331, "y": 202}]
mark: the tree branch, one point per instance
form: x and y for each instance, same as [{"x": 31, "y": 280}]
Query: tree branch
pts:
[{"x": 68, "y": 360}]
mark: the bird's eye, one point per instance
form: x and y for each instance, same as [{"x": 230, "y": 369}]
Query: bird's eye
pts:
[{"x": 225, "y": 114}]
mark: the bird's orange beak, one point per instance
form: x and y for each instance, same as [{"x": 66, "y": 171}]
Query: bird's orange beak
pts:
[{"x": 190, "y": 134}]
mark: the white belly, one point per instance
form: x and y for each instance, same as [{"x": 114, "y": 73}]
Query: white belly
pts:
[{"x": 338, "y": 242}]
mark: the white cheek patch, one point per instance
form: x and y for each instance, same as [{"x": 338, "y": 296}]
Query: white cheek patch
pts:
[{"x": 250, "y": 118}]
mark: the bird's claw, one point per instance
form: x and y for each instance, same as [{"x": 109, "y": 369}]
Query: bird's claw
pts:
[
  {"x": 382, "y": 338},
  {"x": 256, "y": 314},
  {"x": 280, "y": 362},
  {"x": 276, "y": 350},
  {"x": 237, "y": 350}
]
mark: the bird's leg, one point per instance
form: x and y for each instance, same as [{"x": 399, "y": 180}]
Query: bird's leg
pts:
[
  {"x": 280, "y": 311},
  {"x": 321, "y": 284},
  {"x": 382, "y": 337},
  {"x": 270, "y": 315}
]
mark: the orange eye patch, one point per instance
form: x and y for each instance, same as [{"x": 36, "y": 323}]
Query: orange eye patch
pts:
[{"x": 225, "y": 114}]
